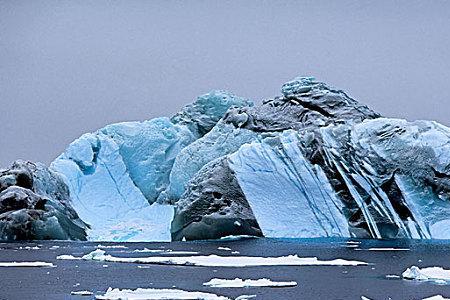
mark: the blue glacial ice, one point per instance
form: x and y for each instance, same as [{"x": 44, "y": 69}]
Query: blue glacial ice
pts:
[
  {"x": 116, "y": 174},
  {"x": 275, "y": 177},
  {"x": 311, "y": 163}
]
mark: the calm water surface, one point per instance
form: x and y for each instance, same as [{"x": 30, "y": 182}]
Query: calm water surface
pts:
[{"x": 314, "y": 282}]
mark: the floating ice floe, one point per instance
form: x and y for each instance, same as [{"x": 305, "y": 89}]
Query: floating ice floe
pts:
[
  {"x": 224, "y": 248},
  {"x": 437, "y": 297},
  {"x": 165, "y": 251},
  {"x": 240, "y": 283},
  {"x": 434, "y": 274},
  {"x": 81, "y": 293},
  {"x": 217, "y": 261},
  {"x": 245, "y": 297},
  {"x": 237, "y": 237},
  {"x": 157, "y": 294},
  {"x": 29, "y": 248},
  {"x": 27, "y": 264},
  {"x": 111, "y": 247},
  {"x": 384, "y": 249}
]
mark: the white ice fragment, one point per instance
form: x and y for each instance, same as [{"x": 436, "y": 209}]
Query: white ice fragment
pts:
[
  {"x": 384, "y": 249},
  {"x": 245, "y": 297},
  {"x": 164, "y": 251},
  {"x": 156, "y": 294},
  {"x": 29, "y": 248},
  {"x": 54, "y": 247},
  {"x": 237, "y": 237},
  {"x": 436, "y": 297},
  {"x": 240, "y": 283},
  {"x": 81, "y": 293},
  {"x": 27, "y": 264},
  {"x": 224, "y": 248},
  {"x": 435, "y": 274},
  {"x": 392, "y": 276},
  {"x": 68, "y": 257},
  {"x": 146, "y": 250},
  {"x": 220, "y": 261},
  {"x": 111, "y": 247}
]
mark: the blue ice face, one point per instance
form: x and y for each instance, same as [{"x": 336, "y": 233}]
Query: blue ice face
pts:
[{"x": 117, "y": 173}]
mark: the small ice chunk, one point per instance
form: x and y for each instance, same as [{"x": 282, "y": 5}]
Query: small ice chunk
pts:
[
  {"x": 29, "y": 248},
  {"x": 156, "y": 294},
  {"x": 436, "y": 274},
  {"x": 27, "y": 264},
  {"x": 240, "y": 283},
  {"x": 81, "y": 293},
  {"x": 385, "y": 249},
  {"x": 111, "y": 247},
  {"x": 237, "y": 237},
  {"x": 68, "y": 257},
  {"x": 224, "y": 248},
  {"x": 164, "y": 251},
  {"x": 245, "y": 297},
  {"x": 54, "y": 247},
  {"x": 146, "y": 250},
  {"x": 437, "y": 297}
]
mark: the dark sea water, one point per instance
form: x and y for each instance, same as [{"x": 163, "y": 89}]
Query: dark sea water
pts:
[{"x": 314, "y": 282}]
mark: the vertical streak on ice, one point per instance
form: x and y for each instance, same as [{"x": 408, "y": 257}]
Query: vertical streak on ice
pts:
[{"x": 276, "y": 169}]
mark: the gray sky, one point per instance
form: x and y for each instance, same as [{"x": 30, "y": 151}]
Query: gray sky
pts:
[{"x": 72, "y": 67}]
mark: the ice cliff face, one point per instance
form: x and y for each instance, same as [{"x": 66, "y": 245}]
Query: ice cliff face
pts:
[
  {"x": 311, "y": 163},
  {"x": 35, "y": 204},
  {"x": 116, "y": 174},
  {"x": 320, "y": 164}
]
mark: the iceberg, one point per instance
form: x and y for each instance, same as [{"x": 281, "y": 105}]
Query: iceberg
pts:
[{"x": 313, "y": 162}]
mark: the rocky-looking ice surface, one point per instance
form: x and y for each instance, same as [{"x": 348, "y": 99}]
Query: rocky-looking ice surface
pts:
[
  {"x": 35, "y": 205},
  {"x": 311, "y": 163}
]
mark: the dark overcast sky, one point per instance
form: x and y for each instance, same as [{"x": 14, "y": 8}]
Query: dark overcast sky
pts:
[{"x": 72, "y": 67}]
